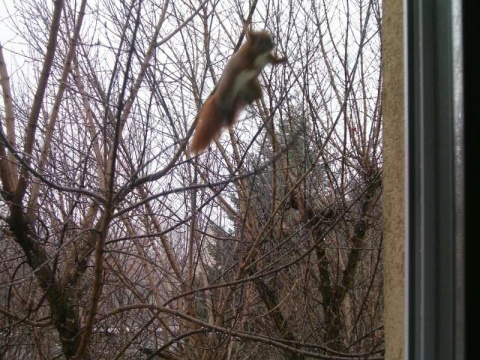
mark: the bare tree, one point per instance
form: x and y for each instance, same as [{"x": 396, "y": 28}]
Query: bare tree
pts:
[{"x": 117, "y": 244}]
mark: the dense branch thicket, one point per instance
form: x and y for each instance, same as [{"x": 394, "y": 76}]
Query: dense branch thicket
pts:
[{"x": 116, "y": 244}]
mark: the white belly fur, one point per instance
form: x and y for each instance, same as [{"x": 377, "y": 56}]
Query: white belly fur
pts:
[
  {"x": 261, "y": 61},
  {"x": 245, "y": 76}
]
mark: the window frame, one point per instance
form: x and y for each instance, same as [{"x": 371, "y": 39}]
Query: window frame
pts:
[{"x": 435, "y": 253}]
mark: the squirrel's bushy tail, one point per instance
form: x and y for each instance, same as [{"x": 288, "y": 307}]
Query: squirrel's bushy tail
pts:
[
  {"x": 211, "y": 121},
  {"x": 208, "y": 127}
]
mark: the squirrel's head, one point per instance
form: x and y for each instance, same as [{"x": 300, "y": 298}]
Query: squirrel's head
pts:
[{"x": 261, "y": 41}]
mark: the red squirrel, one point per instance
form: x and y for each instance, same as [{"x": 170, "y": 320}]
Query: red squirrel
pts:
[{"x": 238, "y": 87}]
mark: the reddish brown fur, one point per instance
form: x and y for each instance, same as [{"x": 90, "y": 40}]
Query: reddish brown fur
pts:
[
  {"x": 210, "y": 123},
  {"x": 208, "y": 127},
  {"x": 223, "y": 106}
]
